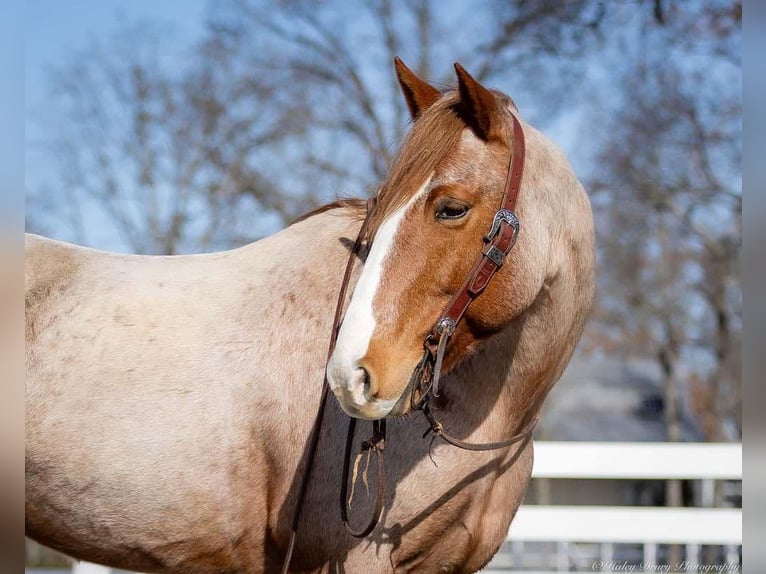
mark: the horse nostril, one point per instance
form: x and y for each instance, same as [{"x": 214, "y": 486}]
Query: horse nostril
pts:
[{"x": 369, "y": 388}]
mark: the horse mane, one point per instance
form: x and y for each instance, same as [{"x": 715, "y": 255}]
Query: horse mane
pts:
[
  {"x": 432, "y": 138},
  {"x": 353, "y": 204}
]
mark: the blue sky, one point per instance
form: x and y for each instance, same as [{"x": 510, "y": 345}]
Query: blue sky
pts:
[
  {"x": 11, "y": 119},
  {"x": 54, "y": 29}
]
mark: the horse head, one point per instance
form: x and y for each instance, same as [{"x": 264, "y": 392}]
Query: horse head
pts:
[{"x": 435, "y": 207}]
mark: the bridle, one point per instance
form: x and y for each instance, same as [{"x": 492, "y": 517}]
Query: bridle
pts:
[
  {"x": 425, "y": 379},
  {"x": 498, "y": 243}
]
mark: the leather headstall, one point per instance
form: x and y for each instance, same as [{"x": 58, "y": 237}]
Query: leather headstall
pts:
[{"x": 498, "y": 243}]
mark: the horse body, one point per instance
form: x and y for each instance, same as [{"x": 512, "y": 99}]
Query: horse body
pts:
[
  {"x": 169, "y": 399},
  {"x": 147, "y": 400},
  {"x": 167, "y": 416}
]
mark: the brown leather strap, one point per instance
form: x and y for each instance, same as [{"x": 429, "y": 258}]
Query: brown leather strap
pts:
[
  {"x": 438, "y": 430},
  {"x": 498, "y": 243},
  {"x": 498, "y": 246},
  {"x": 376, "y": 444}
]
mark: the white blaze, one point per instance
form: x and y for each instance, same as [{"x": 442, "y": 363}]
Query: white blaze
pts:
[{"x": 359, "y": 321}]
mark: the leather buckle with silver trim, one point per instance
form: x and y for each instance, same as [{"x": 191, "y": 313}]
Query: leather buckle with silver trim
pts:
[{"x": 504, "y": 215}]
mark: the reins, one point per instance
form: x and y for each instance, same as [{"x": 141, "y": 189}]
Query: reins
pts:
[
  {"x": 317, "y": 427},
  {"x": 425, "y": 379},
  {"x": 375, "y": 444}
]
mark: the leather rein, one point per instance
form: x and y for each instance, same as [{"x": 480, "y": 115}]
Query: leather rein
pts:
[{"x": 425, "y": 379}]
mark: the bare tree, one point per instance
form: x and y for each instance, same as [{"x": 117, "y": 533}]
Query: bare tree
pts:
[
  {"x": 288, "y": 102},
  {"x": 174, "y": 157},
  {"x": 180, "y": 151},
  {"x": 668, "y": 204},
  {"x": 337, "y": 58}
]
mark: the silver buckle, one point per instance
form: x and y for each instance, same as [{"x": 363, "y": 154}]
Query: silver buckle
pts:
[
  {"x": 495, "y": 255},
  {"x": 445, "y": 326},
  {"x": 508, "y": 217}
]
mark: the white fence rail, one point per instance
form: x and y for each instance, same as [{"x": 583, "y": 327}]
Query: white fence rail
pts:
[
  {"x": 648, "y": 526},
  {"x": 607, "y": 525},
  {"x": 638, "y": 460},
  {"x": 628, "y": 524}
]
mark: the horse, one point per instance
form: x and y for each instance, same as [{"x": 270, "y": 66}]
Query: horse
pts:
[{"x": 170, "y": 400}]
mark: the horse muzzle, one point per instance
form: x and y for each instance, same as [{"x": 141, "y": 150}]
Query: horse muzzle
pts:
[{"x": 355, "y": 391}]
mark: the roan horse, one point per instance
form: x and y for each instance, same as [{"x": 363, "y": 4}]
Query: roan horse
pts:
[{"x": 169, "y": 399}]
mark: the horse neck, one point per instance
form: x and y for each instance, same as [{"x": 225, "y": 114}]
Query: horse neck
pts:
[
  {"x": 508, "y": 379},
  {"x": 502, "y": 385},
  {"x": 302, "y": 265}
]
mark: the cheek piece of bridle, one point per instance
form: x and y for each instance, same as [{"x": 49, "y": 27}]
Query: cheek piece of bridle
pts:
[{"x": 424, "y": 382}]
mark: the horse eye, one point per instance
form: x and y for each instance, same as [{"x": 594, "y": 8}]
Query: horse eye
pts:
[{"x": 452, "y": 210}]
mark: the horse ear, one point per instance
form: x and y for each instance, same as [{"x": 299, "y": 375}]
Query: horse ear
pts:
[
  {"x": 418, "y": 93},
  {"x": 477, "y": 102}
]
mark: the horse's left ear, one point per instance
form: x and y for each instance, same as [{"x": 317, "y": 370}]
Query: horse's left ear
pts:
[
  {"x": 478, "y": 104},
  {"x": 418, "y": 93}
]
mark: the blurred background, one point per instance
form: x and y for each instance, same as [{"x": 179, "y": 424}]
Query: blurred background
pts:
[{"x": 185, "y": 126}]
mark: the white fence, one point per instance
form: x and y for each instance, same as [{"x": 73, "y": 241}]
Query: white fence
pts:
[
  {"x": 647, "y": 526},
  {"x": 609, "y": 525}
]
